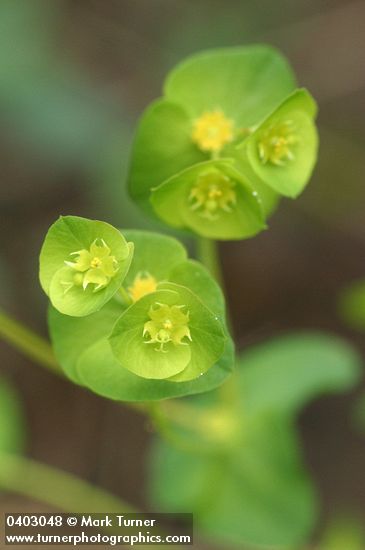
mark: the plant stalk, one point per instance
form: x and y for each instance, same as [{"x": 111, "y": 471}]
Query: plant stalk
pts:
[
  {"x": 59, "y": 489},
  {"x": 39, "y": 350},
  {"x": 26, "y": 341},
  {"x": 207, "y": 253}
]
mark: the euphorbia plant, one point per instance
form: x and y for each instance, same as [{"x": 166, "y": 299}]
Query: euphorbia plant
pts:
[
  {"x": 239, "y": 105},
  {"x": 133, "y": 319}
]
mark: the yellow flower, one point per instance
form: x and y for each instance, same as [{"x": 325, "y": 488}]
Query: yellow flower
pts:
[
  {"x": 167, "y": 324},
  {"x": 94, "y": 266},
  {"x": 212, "y": 130},
  {"x": 143, "y": 284},
  {"x": 276, "y": 143},
  {"x": 213, "y": 193}
]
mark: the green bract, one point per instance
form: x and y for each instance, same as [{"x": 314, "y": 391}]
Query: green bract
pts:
[
  {"x": 82, "y": 264},
  {"x": 283, "y": 149},
  {"x": 120, "y": 351},
  {"x": 212, "y": 102},
  {"x": 168, "y": 334},
  {"x": 214, "y": 200}
]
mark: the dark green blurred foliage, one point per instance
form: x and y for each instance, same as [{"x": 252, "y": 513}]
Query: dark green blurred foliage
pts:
[
  {"x": 12, "y": 425},
  {"x": 252, "y": 488},
  {"x": 52, "y": 108},
  {"x": 359, "y": 414},
  {"x": 352, "y": 305},
  {"x": 47, "y": 101},
  {"x": 344, "y": 533}
]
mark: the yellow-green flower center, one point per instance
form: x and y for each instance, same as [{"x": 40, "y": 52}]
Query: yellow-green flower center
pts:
[
  {"x": 143, "y": 284},
  {"x": 212, "y": 130},
  {"x": 96, "y": 262},
  {"x": 95, "y": 266},
  {"x": 166, "y": 324},
  {"x": 212, "y": 194},
  {"x": 276, "y": 143}
]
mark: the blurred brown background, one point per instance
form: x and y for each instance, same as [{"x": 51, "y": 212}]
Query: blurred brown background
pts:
[{"x": 74, "y": 77}]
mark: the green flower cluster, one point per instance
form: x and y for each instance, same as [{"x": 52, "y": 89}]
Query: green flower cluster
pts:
[
  {"x": 230, "y": 136},
  {"x": 132, "y": 318}
]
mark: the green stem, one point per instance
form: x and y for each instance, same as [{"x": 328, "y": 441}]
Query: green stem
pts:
[
  {"x": 207, "y": 254},
  {"x": 29, "y": 343},
  {"x": 169, "y": 415},
  {"x": 213, "y": 428},
  {"x": 60, "y": 489}
]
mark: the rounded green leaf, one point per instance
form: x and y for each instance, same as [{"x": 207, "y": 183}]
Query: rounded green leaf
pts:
[
  {"x": 193, "y": 343},
  {"x": 246, "y": 83},
  {"x": 283, "y": 149},
  {"x": 71, "y": 336},
  {"x": 259, "y": 492},
  {"x": 82, "y": 264},
  {"x": 285, "y": 373},
  {"x": 214, "y": 200},
  {"x": 162, "y": 147},
  {"x": 101, "y": 372},
  {"x": 11, "y": 420}
]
